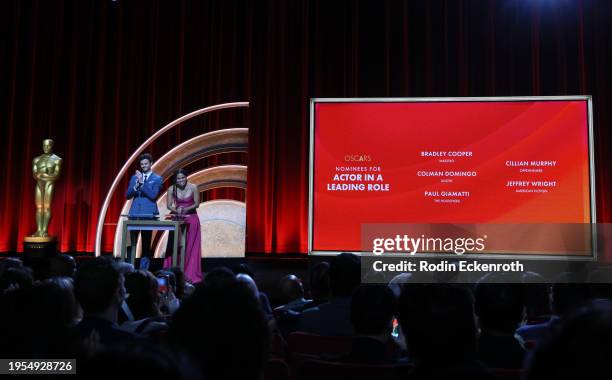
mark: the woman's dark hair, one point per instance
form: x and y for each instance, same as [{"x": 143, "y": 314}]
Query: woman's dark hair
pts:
[{"x": 176, "y": 174}]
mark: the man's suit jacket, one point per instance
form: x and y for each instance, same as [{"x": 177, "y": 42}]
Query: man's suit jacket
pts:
[{"x": 145, "y": 199}]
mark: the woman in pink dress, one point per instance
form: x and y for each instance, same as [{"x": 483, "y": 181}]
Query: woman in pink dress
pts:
[{"x": 183, "y": 200}]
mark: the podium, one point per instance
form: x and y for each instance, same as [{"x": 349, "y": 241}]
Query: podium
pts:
[{"x": 173, "y": 226}]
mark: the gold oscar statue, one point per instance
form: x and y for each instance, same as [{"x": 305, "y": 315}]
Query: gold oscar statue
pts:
[{"x": 46, "y": 170}]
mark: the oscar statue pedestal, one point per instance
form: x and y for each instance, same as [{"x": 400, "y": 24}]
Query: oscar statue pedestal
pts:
[
  {"x": 36, "y": 253},
  {"x": 39, "y": 247}
]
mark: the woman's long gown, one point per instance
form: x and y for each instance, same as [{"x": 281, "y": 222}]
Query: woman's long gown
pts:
[{"x": 193, "y": 247}]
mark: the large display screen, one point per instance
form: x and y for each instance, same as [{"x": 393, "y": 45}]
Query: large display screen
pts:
[{"x": 498, "y": 161}]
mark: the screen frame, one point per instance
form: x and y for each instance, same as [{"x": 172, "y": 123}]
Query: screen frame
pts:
[{"x": 591, "y": 145}]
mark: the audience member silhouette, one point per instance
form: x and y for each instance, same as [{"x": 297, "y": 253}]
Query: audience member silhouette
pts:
[
  {"x": 499, "y": 307},
  {"x": 440, "y": 330},
  {"x": 10, "y": 262},
  {"x": 244, "y": 273},
  {"x": 262, "y": 297},
  {"x": 99, "y": 289},
  {"x": 537, "y": 298},
  {"x": 579, "y": 348},
  {"x": 291, "y": 293},
  {"x": 567, "y": 294},
  {"x": 320, "y": 289},
  {"x": 398, "y": 283},
  {"x": 224, "y": 329},
  {"x": 218, "y": 276},
  {"x": 143, "y": 293},
  {"x": 72, "y": 311},
  {"x": 373, "y": 307},
  {"x": 62, "y": 265},
  {"x": 332, "y": 318},
  {"x": 144, "y": 304},
  {"x": 37, "y": 322},
  {"x": 15, "y": 278},
  {"x": 600, "y": 283}
]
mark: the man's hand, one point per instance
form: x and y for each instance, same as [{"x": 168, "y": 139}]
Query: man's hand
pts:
[{"x": 169, "y": 303}]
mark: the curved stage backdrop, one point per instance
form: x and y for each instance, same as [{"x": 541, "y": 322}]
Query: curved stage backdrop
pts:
[{"x": 100, "y": 77}]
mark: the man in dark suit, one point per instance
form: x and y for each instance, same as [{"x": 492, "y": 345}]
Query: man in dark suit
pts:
[
  {"x": 143, "y": 189},
  {"x": 99, "y": 288}
]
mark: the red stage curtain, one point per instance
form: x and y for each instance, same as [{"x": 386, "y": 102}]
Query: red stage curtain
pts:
[{"x": 101, "y": 76}]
